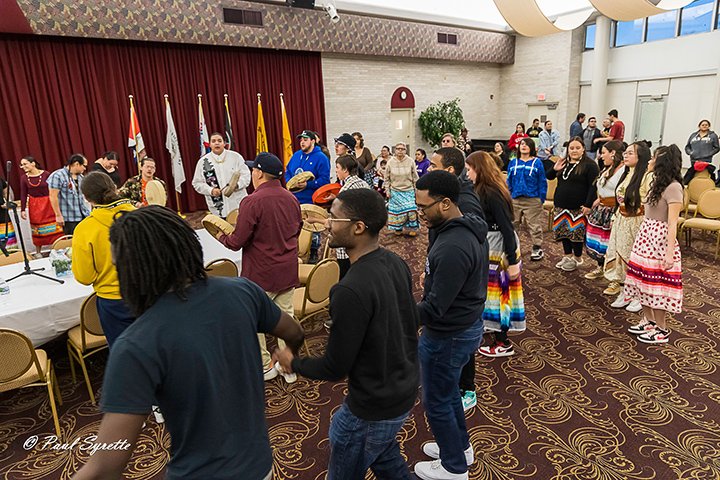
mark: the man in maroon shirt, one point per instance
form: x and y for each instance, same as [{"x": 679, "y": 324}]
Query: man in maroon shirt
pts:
[
  {"x": 267, "y": 229},
  {"x": 617, "y": 131}
]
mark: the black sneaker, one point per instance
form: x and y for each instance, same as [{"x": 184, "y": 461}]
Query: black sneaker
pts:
[{"x": 537, "y": 254}]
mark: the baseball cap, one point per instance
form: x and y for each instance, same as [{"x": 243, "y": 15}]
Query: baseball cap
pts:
[
  {"x": 268, "y": 163},
  {"x": 307, "y": 134}
]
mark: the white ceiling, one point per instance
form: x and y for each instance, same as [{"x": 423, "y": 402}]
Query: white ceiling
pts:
[{"x": 467, "y": 13}]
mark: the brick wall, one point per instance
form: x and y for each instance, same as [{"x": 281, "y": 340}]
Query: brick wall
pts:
[{"x": 358, "y": 91}]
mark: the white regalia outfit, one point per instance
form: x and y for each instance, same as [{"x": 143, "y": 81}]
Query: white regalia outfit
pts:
[{"x": 216, "y": 171}]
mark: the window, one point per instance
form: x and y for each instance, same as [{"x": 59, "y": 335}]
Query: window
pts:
[
  {"x": 661, "y": 26},
  {"x": 696, "y": 17},
  {"x": 628, "y": 33},
  {"x": 590, "y": 37}
]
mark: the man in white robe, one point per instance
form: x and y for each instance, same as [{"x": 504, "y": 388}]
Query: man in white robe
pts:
[{"x": 222, "y": 177}]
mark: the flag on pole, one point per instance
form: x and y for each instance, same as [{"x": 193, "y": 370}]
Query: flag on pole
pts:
[
  {"x": 204, "y": 135},
  {"x": 173, "y": 147},
  {"x": 261, "y": 145},
  {"x": 229, "y": 139},
  {"x": 135, "y": 140},
  {"x": 287, "y": 150}
]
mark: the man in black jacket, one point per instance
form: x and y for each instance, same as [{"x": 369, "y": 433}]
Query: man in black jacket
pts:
[
  {"x": 452, "y": 160},
  {"x": 373, "y": 342},
  {"x": 456, "y": 273}
]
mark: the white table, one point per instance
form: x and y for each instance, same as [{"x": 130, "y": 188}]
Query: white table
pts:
[{"x": 43, "y": 309}]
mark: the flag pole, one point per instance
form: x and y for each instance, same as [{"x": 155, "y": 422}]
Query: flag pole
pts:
[
  {"x": 177, "y": 195},
  {"x": 132, "y": 120}
]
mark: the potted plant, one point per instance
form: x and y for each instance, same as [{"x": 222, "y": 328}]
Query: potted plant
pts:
[{"x": 439, "y": 119}]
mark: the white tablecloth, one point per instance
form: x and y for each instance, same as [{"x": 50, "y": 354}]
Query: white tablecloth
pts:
[{"x": 43, "y": 309}]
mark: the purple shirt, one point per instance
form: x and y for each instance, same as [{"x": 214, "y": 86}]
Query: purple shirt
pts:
[
  {"x": 267, "y": 229},
  {"x": 422, "y": 167}
]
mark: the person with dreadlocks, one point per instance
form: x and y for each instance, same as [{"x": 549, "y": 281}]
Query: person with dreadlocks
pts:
[
  {"x": 193, "y": 349},
  {"x": 92, "y": 261}
]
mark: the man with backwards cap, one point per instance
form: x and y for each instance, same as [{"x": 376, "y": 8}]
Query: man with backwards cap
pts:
[
  {"x": 309, "y": 159},
  {"x": 267, "y": 231}
]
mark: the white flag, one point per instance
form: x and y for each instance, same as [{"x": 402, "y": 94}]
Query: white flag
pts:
[{"x": 173, "y": 147}]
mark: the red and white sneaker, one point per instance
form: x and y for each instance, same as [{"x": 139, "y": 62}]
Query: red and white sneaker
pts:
[
  {"x": 644, "y": 326},
  {"x": 657, "y": 335},
  {"x": 497, "y": 349}
]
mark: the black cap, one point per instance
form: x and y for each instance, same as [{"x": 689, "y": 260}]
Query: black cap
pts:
[
  {"x": 268, "y": 163},
  {"x": 347, "y": 140},
  {"x": 307, "y": 134}
]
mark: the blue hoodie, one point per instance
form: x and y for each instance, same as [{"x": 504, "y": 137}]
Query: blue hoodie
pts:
[
  {"x": 315, "y": 162},
  {"x": 527, "y": 178}
]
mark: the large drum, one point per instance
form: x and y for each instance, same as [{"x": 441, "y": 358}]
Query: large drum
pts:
[{"x": 214, "y": 225}]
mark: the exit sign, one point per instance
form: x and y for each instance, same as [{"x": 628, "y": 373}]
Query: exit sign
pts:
[{"x": 540, "y": 97}]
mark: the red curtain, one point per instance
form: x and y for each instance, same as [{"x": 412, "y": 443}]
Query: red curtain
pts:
[{"x": 61, "y": 95}]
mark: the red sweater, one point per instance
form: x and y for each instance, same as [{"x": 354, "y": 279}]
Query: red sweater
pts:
[
  {"x": 267, "y": 230},
  {"x": 515, "y": 140}
]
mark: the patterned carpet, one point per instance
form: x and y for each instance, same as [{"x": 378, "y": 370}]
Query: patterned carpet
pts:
[{"x": 581, "y": 399}]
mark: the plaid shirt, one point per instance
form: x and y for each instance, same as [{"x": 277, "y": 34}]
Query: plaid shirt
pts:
[
  {"x": 351, "y": 183},
  {"x": 72, "y": 203}
]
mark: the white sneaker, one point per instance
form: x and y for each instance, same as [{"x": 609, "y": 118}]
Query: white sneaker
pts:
[
  {"x": 435, "y": 471},
  {"x": 432, "y": 450},
  {"x": 621, "y": 301},
  {"x": 289, "y": 377},
  {"x": 562, "y": 262},
  {"x": 570, "y": 265},
  {"x": 270, "y": 373},
  {"x": 634, "y": 306}
]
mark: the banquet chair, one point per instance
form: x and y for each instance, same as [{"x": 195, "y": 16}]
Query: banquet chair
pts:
[
  {"x": 22, "y": 365},
  {"x": 15, "y": 257},
  {"x": 86, "y": 339},
  {"x": 232, "y": 217},
  {"x": 314, "y": 297},
  {"x": 549, "y": 205},
  {"x": 222, "y": 268},
  {"x": 696, "y": 187},
  {"x": 706, "y": 217},
  {"x": 304, "y": 269},
  {"x": 682, "y": 217},
  {"x": 304, "y": 244},
  {"x": 63, "y": 242}
]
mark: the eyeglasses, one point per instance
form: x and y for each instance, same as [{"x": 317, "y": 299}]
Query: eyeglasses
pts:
[
  {"x": 330, "y": 220},
  {"x": 422, "y": 210}
]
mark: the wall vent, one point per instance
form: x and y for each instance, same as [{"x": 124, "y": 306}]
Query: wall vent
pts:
[
  {"x": 238, "y": 16},
  {"x": 448, "y": 38}
]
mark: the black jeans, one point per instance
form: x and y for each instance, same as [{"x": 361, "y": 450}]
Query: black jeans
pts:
[
  {"x": 69, "y": 227},
  {"x": 575, "y": 248}
]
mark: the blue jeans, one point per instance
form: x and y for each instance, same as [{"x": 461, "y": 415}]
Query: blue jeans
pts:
[
  {"x": 357, "y": 444},
  {"x": 441, "y": 360},
  {"x": 115, "y": 317}
]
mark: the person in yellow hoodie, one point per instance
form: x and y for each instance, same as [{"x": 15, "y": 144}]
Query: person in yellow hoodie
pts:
[{"x": 92, "y": 262}]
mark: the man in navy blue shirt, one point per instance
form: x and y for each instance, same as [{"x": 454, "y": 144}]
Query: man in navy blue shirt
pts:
[{"x": 193, "y": 351}]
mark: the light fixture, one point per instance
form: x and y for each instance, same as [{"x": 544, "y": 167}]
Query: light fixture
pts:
[{"x": 331, "y": 10}]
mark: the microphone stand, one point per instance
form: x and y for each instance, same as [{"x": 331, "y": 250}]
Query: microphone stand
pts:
[{"x": 13, "y": 206}]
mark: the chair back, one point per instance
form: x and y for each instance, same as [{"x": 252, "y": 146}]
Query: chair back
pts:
[
  {"x": 321, "y": 279},
  {"x": 304, "y": 244},
  {"x": 222, "y": 267},
  {"x": 15, "y": 257},
  {"x": 18, "y": 355},
  {"x": 709, "y": 204},
  {"x": 63, "y": 242},
  {"x": 90, "y": 318},
  {"x": 697, "y": 187},
  {"x": 552, "y": 185},
  {"x": 232, "y": 217}
]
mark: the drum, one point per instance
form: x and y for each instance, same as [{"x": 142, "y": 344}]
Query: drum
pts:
[
  {"x": 232, "y": 184},
  {"x": 214, "y": 225},
  {"x": 314, "y": 217},
  {"x": 326, "y": 194},
  {"x": 155, "y": 193},
  {"x": 301, "y": 177}
]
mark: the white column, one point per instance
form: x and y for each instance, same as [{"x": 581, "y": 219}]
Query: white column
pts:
[{"x": 601, "y": 55}]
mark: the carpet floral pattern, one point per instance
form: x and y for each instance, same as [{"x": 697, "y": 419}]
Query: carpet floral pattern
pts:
[{"x": 581, "y": 398}]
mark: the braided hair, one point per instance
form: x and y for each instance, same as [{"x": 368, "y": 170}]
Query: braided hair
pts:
[{"x": 155, "y": 252}]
